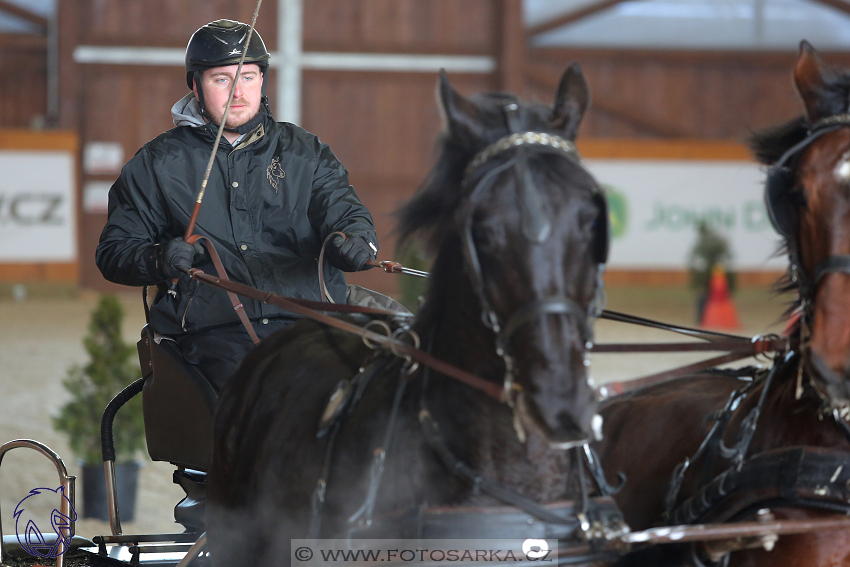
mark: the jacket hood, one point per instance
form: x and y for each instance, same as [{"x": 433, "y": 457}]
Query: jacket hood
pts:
[{"x": 187, "y": 112}]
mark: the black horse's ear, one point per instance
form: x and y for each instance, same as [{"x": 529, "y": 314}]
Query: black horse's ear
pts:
[
  {"x": 571, "y": 102},
  {"x": 811, "y": 77},
  {"x": 461, "y": 119}
]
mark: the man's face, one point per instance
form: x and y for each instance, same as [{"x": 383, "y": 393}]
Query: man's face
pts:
[{"x": 217, "y": 83}]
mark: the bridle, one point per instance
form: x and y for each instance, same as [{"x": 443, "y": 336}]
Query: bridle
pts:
[
  {"x": 784, "y": 216},
  {"x": 536, "y": 228}
]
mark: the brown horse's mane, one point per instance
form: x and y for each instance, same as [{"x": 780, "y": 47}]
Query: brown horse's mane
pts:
[{"x": 767, "y": 146}]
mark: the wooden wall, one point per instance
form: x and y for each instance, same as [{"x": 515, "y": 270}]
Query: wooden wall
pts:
[
  {"x": 667, "y": 94},
  {"x": 23, "y": 80},
  {"x": 383, "y": 124}
]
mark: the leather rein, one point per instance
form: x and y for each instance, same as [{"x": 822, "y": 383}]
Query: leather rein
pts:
[
  {"x": 739, "y": 347},
  {"x": 317, "y": 311}
]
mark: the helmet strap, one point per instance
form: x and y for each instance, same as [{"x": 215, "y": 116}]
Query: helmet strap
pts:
[{"x": 199, "y": 86}]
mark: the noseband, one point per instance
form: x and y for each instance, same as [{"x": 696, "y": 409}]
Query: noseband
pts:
[{"x": 536, "y": 228}]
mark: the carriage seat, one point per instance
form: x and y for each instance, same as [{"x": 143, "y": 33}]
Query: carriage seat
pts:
[{"x": 178, "y": 405}]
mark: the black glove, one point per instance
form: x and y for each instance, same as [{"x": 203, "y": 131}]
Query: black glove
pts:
[
  {"x": 178, "y": 256},
  {"x": 352, "y": 253}
]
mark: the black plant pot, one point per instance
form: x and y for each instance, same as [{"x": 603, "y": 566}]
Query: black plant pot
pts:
[{"x": 94, "y": 491}]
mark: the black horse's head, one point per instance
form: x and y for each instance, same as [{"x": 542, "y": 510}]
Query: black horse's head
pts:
[
  {"x": 808, "y": 200},
  {"x": 511, "y": 208}
]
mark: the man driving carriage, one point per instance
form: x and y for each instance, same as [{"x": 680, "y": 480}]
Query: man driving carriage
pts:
[{"x": 275, "y": 193}]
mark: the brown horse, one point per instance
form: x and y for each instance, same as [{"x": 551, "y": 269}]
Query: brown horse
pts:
[{"x": 715, "y": 448}]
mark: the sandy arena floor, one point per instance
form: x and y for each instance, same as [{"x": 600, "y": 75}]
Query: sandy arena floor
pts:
[{"x": 41, "y": 337}]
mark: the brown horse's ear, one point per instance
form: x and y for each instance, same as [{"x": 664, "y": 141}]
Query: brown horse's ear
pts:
[
  {"x": 460, "y": 117},
  {"x": 811, "y": 76},
  {"x": 571, "y": 102}
]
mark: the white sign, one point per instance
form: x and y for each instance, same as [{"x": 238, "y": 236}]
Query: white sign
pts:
[
  {"x": 37, "y": 210},
  {"x": 96, "y": 197},
  {"x": 103, "y": 157},
  {"x": 656, "y": 206}
]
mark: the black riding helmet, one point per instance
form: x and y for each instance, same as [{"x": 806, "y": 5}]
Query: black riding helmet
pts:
[{"x": 220, "y": 43}]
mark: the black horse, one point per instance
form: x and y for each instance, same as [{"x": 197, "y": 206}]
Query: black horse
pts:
[{"x": 519, "y": 233}]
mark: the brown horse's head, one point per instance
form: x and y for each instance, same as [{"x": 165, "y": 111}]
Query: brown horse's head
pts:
[
  {"x": 511, "y": 204},
  {"x": 808, "y": 196}
]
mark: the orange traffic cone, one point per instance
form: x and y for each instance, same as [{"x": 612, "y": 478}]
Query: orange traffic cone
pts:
[{"x": 719, "y": 311}]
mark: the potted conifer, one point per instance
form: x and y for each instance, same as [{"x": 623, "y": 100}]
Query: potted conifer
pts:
[{"x": 112, "y": 366}]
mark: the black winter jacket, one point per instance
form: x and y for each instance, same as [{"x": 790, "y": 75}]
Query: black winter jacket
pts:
[{"x": 269, "y": 204}]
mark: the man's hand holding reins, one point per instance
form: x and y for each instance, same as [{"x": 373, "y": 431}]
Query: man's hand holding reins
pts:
[
  {"x": 352, "y": 252},
  {"x": 178, "y": 256}
]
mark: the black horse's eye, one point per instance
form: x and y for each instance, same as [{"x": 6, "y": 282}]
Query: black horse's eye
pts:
[{"x": 478, "y": 235}]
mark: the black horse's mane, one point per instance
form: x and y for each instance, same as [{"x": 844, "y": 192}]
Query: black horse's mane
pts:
[
  {"x": 436, "y": 200},
  {"x": 429, "y": 214}
]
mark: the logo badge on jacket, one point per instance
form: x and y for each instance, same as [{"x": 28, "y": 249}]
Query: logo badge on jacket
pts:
[{"x": 275, "y": 173}]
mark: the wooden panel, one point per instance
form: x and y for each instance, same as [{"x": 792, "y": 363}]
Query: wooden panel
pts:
[
  {"x": 61, "y": 272},
  {"x": 166, "y": 23},
  {"x": 677, "y": 94},
  {"x": 402, "y": 26},
  {"x": 512, "y": 47},
  {"x": 38, "y": 140},
  {"x": 383, "y": 127},
  {"x": 662, "y": 149},
  {"x": 380, "y": 124},
  {"x": 23, "y": 82},
  {"x": 69, "y": 99}
]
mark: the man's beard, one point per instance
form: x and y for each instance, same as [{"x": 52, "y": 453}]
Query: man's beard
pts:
[{"x": 230, "y": 123}]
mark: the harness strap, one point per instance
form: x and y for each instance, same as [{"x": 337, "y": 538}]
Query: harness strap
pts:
[
  {"x": 461, "y": 470},
  {"x": 558, "y": 304},
  {"x": 617, "y": 388},
  {"x": 305, "y": 309},
  {"x": 838, "y": 263},
  {"x": 360, "y": 382},
  {"x": 323, "y": 286},
  {"x": 363, "y": 516},
  {"x": 710, "y": 336},
  {"x": 807, "y": 477},
  {"x": 219, "y": 267}
]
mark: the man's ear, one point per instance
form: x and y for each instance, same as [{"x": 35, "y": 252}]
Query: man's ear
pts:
[{"x": 195, "y": 83}]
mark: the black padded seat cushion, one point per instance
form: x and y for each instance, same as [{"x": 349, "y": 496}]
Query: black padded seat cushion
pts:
[{"x": 178, "y": 404}]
